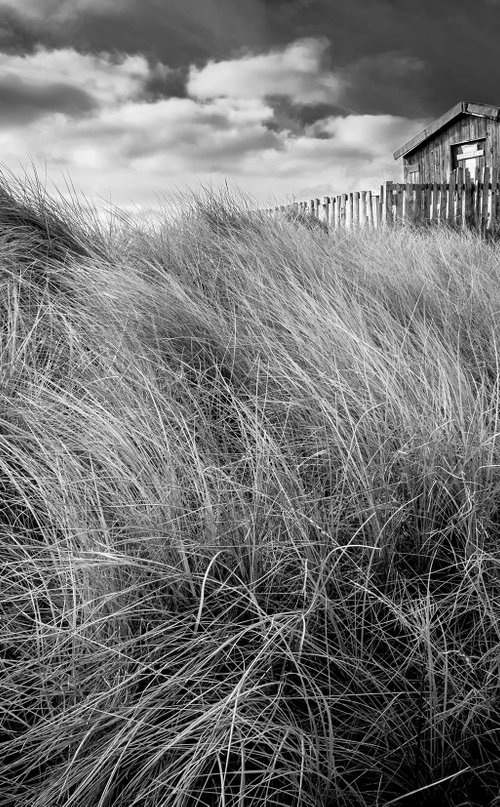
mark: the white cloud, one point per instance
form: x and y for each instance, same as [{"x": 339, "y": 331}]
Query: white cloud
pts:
[
  {"x": 296, "y": 71},
  {"x": 137, "y": 149},
  {"x": 108, "y": 80},
  {"x": 133, "y": 148},
  {"x": 372, "y": 133},
  {"x": 172, "y": 135}
]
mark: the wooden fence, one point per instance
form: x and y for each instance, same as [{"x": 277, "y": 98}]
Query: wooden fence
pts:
[{"x": 463, "y": 201}]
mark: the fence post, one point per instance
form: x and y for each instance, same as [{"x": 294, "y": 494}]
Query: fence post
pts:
[
  {"x": 443, "y": 201},
  {"x": 423, "y": 202},
  {"x": 460, "y": 196},
  {"x": 465, "y": 200},
  {"x": 350, "y": 210},
  {"x": 387, "y": 213},
  {"x": 486, "y": 195},
  {"x": 355, "y": 209},
  {"x": 408, "y": 205},
  {"x": 362, "y": 209},
  {"x": 493, "y": 211},
  {"x": 326, "y": 210},
  {"x": 376, "y": 209},
  {"x": 469, "y": 200},
  {"x": 398, "y": 202},
  {"x": 433, "y": 208},
  {"x": 451, "y": 198},
  {"x": 476, "y": 197},
  {"x": 369, "y": 210},
  {"x": 342, "y": 211},
  {"x": 334, "y": 212}
]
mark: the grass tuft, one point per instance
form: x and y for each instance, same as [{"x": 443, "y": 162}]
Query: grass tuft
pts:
[{"x": 250, "y": 502}]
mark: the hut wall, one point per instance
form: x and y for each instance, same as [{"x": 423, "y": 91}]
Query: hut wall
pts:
[{"x": 434, "y": 157}]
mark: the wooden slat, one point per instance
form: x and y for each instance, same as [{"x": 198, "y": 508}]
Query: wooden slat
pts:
[
  {"x": 496, "y": 201},
  {"x": 369, "y": 209},
  {"x": 422, "y": 204},
  {"x": 443, "y": 201},
  {"x": 477, "y": 196},
  {"x": 460, "y": 157},
  {"x": 362, "y": 209},
  {"x": 427, "y": 195},
  {"x": 452, "y": 198},
  {"x": 388, "y": 202},
  {"x": 419, "y": 202},
  {"x": 460, "y": 195},
  {"x": 356, "y": 216},
  {"x": 376, "y": 210},
  {"x": 334, "y": 214},
  {"x": 483, "y": 110},
  {"x": 343, "y": 208},
  {"x": 409, "y": 207},
  {"x": 350, "y": 212},
  {"x": 468, "y": 203},
  {"x": 494, "y": 196},
  {"x": 398, "y": 202},
  {"x": 326, "y": 210},
  {"x": 486, "y": 197},
  {"x": 434, "y": 202},
  {"x": 464, "y": 200}
]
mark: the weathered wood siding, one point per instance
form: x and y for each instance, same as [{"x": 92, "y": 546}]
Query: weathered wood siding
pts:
[{"x": 434, "y": 157}]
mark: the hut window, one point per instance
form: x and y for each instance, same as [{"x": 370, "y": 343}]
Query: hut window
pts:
[
  {"x": 413, "y": 173},
  {"x": 468, "y": 155}
]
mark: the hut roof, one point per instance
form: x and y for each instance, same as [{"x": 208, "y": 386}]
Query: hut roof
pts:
[{"x": 462, "y": 108}]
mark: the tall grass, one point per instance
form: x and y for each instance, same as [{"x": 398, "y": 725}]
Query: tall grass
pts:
[{"x": 250, "y": 510}]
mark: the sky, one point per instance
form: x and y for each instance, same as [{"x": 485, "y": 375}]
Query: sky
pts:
[{"x": 133, "y": 101}]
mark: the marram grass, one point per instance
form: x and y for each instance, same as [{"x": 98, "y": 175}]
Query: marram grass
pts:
[{"x": 250, "y": 512}]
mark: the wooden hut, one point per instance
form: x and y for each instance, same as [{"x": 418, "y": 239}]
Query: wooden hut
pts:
[{"x": 467, "y": 136}]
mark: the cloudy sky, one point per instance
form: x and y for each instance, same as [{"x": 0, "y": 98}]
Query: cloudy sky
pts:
[{"x": 133, "y": 99}]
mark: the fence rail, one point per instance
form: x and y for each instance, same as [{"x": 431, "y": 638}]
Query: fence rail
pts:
[{"x": 462, "y": 201}]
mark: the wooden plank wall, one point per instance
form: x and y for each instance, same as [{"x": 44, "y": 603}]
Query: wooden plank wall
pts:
[
  {"x": 463, "y": 201},
  {"x": 434, "y": 156}
]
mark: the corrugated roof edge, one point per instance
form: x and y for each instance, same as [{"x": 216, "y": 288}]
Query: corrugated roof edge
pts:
[{"x": 462, "y": 108}]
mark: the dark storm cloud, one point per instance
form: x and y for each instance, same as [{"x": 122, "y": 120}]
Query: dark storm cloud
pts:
[
  {"x": 387, "y": 83},
  {"x": 17, "y": 35},
  {"x": 177, "y": 32},
  {"x": 166, "y": 84},
  {"x": 21, "y": 102},
  {"x": 456, "y": 42}
]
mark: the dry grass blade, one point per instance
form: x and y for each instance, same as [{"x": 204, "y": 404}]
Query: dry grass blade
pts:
[{"x": 249, "y": 507}]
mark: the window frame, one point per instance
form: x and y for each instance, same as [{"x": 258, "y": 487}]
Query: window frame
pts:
[{"x": 456, "y": 162}]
